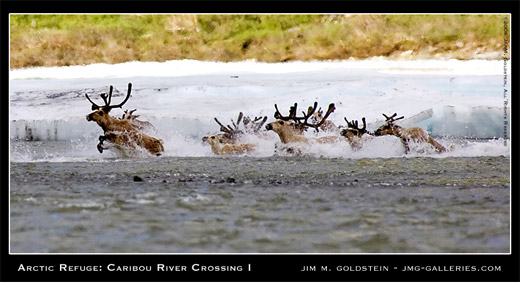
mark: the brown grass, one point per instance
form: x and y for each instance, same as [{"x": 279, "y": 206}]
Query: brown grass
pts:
[{"x": 61, "y": 40}]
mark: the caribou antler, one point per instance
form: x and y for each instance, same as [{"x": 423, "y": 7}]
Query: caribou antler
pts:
[
  {"x": 223, "y": 128},
  {"x": 255, "y": 125},
  {"x": 306, "y": 116},
  {"x": 94, "y": 105},
  {"x": 250, "y": 126},
  {"x": 129, "y": 115},
  {"x": 231, "y": 130},
  {"x": 291, "y": 116},
  {"x": 392, "y": 117},
  {"x": 240, "y": 115},
  {"x": 107, "y": 98},
  {"x": 124, "y": 101},
  {"x": 354, "y": 125},
  {"x": 311, "y": 111},
  {"x": 104, "y": 96}
]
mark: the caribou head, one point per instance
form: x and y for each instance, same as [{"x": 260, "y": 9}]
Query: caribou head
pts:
[
  {"x": 129, "y": 115},
  {"x": 388, "y": 128},
  {"x": 101, "y": 113}
]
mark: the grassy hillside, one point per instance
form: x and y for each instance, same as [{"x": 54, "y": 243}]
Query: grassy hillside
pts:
[{"x": 60, "y": 40}]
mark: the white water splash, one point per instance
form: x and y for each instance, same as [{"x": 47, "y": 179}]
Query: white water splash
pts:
[{"x": 455, "y": 101}]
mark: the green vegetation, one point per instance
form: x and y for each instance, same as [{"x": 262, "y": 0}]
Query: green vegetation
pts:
[{"x": 60, "y": 40}]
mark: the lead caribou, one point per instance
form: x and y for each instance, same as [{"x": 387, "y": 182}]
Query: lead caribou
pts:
[{"x": 121, "y": 132}]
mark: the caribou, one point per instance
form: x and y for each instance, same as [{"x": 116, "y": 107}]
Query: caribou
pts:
[
  {"x": 291, "y": 128},
  {"x": 407, "y": 135},
  {"x": 355, "y": 135},
  {"x": 231, "y": 134},
  {"x": 227, "y": 143},
  {"x": 218, "y": 147},
  {"x": 120, "y": 132},
  {"x": 327, "y": 125},
  {"x": 139, "y": 124}
]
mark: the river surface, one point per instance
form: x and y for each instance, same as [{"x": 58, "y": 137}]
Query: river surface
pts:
[{"x": 277, "y": 204}]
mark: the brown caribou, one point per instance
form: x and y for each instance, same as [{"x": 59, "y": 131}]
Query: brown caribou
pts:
[
  {"x": 139, "y": 124},
  {"x": 227, "y": 143},
  {"x": 328, "y": 125},
  {"x": 120, "y": 132},
  {"x": 415, "y": 134},
  {"x": 355, "y": 135},
  {"x": 291, "y": 128},
  {"x": 233, "y": 133},
  {"x": 218, "y": 147}
]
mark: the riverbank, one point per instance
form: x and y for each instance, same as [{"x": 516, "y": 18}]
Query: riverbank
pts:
[{"x": 65, "y": 40}]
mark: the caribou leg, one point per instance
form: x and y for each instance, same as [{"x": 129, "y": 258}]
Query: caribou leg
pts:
[
  {"x": 100, "y": 144},
  {"x": 110, "y": 137},
  {"x": 437, "y": 145}
]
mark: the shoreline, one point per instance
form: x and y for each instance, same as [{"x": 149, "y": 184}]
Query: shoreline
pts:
[{"x": 187, "y": 67}]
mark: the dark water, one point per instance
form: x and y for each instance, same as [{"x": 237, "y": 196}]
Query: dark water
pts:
[{"x": 257, "y": 205}]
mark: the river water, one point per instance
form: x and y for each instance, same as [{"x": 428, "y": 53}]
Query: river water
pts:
[{"x": 262, "y": 205}]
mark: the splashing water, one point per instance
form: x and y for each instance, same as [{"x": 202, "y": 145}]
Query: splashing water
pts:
[{"x": 457, "y": 104}]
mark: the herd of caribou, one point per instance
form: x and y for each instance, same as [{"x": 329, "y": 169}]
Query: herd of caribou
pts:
[{"x": 128, "y": 132}]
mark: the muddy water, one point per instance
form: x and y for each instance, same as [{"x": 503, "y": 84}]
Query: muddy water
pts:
[{"x": 261, "y": 205}]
